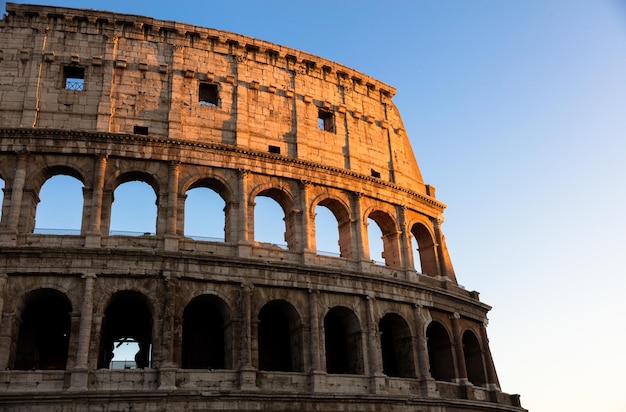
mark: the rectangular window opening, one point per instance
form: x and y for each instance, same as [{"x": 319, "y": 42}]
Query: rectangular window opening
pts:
[
  {"x": 143, "y": 130},
  {"x": 274, "y": 149},
  {"x": 375, "y": 173},
  {"x": 74, "y": 78},
  {"x": 208, "y": 94},
  {"x": 326, "y": 120}
]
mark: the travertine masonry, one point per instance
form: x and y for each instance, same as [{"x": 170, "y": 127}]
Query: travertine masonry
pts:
[{"x": 226, "y": 325}]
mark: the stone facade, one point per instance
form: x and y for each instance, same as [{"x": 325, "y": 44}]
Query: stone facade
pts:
[{"x": 227, "y": 325}]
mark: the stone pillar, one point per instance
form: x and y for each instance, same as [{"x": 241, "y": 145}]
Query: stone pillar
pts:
[
  {"x": 405, "y": 244},
  {"x": 457, "y": 340},
  {"x": 80, "y": 374},
  {"x": 317, "y": 375},
  {"x": 247, "y": 373},
  {"x": 377, "y": 378},
  {"x": 3, "y": 284},
  {"x": 493, "y": 382},
  {"x": 244, "y": 225},
  {"x": 171, "y": 237},
  {"x": 445, "y": 264},
  {"x": 93, "y": 235},
  {"x": 167, "y": 370},
  {"x": 308, "y": 219},
  {"x": 360, "y": 232},
  {"x": 9, "y": 235},
  {"x": 427, "y": 383}
]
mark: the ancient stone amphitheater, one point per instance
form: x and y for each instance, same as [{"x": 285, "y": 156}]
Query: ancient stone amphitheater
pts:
[{"x": 228, "y": 324}]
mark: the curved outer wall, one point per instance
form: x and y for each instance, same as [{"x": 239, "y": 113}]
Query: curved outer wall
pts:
[{"x": 234, "y": 324}]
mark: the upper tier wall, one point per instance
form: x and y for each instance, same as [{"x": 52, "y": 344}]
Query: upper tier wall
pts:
[{"x": 166, "y": 79}]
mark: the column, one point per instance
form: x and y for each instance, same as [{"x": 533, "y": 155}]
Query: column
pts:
[
  {"x": 317, "y": 375},
  {"x": 247, "y": 373},
  {"x": 171, "y": 237},
  {"x": 93, "y": 235},
  {"x": 167, "y": 370},
  {"x": 360, "y": 232},
  {"x": 458, "y": 348},
  {"x": 405, "y": 244},
  {"x": 308, "y": 226},
  {"x": 493, "y": 382},
  {"x": 377, "y": 378},
  {"x": 79, "y": 377},
  {"x": 427, "y": 383},
  {"x": 3, "y": 283},
  {"x": 243, "y": 219},
  {"x": 17, "y": 192}
]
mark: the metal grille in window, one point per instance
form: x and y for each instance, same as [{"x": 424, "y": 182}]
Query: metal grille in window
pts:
[{"x": 74, "y": 78}]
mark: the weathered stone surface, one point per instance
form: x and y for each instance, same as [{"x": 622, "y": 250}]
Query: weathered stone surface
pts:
[{"x": 232, "y": 325}]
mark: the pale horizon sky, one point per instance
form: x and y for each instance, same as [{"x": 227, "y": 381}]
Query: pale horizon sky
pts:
[{"x": 515, "y": 110}]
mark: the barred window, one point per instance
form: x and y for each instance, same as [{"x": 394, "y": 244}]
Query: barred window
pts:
[{"x": 74, "y": 78}]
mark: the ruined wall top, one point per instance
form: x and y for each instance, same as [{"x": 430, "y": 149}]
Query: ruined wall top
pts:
[{"x": 80, "y": 69}]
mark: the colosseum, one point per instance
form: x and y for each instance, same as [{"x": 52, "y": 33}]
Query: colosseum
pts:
[{"x": 235, "y": 323}]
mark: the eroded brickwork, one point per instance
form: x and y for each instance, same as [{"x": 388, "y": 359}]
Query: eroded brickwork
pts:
[{"x": 222, "y": 325}]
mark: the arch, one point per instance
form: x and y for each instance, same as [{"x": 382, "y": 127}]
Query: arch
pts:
[
  {"x": 389, "y": 235},
  {"x": 426, "y": 250},
  {"x": 133, "y": 212},
  {"x": 343, "y": 342},
  {"x": 128, "y": 318},
  {"x": 280, "y": 337},
  {"x": 473, "y": 354},
  {"x": 60, "y": 210},
  {"x": 343, "y": 233},
  {"x": 207, "y": 334},
  {"x": 204, "y": 214},
  {"x": 266, "y": 215},
  {"x": 2, "y": 186},
  {"x": 439, "y": 352},
  {"x": 44, "y": 333},
  {"x": 396, "y": 346}
]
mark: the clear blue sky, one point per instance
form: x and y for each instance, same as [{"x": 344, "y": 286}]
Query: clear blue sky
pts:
[{"x": 516, "y": 112}]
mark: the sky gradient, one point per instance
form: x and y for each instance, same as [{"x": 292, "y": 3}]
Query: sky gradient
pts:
[{"x": 515, "y": 110}]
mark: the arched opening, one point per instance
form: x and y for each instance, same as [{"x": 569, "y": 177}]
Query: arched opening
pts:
[
  {"x": 60, "y": 208},
  {"x": 396, "y": 346},
  {"x": 279, "y": 337},
  {"x": 1, "y": 197},
  {"x": 127, "y": 319},
  {"x": 44, "y": 333},
  {"x": 207, "y": 335},
  {"x": 326, "y": 232},
  {"x": 134, "y": 209},
  {"x": 426, "y": 255},
  {"x": 473, "y": 355},
  {"x": 440, "y": 352},
  {"x": 381, "y": 226},
  {"x": 343, "y": 343},
  {"x": 205, "y": 215},
  {"x": 269, "y": 220}
]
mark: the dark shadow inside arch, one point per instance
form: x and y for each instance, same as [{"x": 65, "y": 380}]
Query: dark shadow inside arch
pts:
[
  {"x": 440, "y": 353},
  {"x": 126, "y": 319},
  {"x": 44, "y": 333},
  {"x": 280, "y": 341},
  {"x": 473, "y": 359},
  {"x": 342, "y": 338},
  {"x": 396, "y": 346},
  {"x": 207, "y": 334}
]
